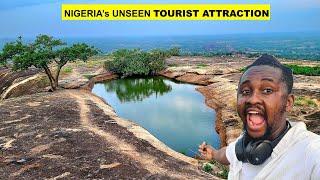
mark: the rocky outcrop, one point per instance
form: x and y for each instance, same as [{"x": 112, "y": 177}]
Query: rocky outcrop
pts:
[
  {"x": 31, "y": 85},
  {"x": 99, "y": 78},
  {"x": 75, "y": 135},
  {"x": 220, "y": 94},
  {"x": 15, "y": 84},
  {"x": 9, "y": 77}
]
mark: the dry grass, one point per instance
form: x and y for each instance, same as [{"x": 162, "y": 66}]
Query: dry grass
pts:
[{"x": 304, "y": 101}]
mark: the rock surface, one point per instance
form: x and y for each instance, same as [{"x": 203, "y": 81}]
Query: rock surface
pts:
[
  {"x": 75, "y": 135},
  {"x": 11, "y": 81}
]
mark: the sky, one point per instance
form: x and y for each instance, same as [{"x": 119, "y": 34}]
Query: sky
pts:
[{"x": 33, "y": 17}]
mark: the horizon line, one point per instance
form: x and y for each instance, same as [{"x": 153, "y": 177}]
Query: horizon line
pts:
[{"x": 165, "y": 35}]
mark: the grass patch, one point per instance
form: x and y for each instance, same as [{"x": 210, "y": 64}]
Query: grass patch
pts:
[
  {"x": 243, "y": 69},
  {"x": 303, "y": 101},
  {"x": 95, "y": 61},
  {"x": 91, "y": 63},
  {"x": 88, "y": 76},
  {"x": 223, "y": 170},
  {"x": 207, "y": 167},
  {"x": 299, "y": 70},
  {"x": 67, "y": 70},
  {"x": 202, "y": 65},
  {"x": 304, "y": 70}
]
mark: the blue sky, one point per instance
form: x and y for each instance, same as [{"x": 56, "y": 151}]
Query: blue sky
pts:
[{"x": 30, "y": 18}]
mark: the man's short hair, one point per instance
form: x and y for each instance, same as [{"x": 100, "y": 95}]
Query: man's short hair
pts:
[{"x": 269, "y": 60}]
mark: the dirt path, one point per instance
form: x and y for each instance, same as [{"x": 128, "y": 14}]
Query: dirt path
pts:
[
  {"x": 148, "y": 161},
  {"x": 121, "y": 146}
]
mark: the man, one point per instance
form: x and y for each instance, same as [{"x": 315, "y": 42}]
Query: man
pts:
[{"x": 270, "y": 147}]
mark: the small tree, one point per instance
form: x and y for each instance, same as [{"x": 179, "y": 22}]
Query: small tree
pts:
[
  {"x": 43, "y": 52},
  {"x": 10, "y": 50},
  {"x": 175, "y": 51}
]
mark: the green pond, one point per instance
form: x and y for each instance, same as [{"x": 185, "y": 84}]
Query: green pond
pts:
[{"x": 173, "y": 112}]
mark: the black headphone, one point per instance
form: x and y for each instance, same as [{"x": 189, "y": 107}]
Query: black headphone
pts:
[{"x": 257, "y": 152}]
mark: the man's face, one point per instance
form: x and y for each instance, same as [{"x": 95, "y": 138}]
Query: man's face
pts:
[{"x": 262, "y": 101}]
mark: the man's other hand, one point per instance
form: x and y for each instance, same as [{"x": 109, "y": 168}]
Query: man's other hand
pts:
[{"x": 207, "y": 152}]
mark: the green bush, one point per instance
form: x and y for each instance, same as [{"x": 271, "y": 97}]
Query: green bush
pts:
[
  {"x": 304, "y": 70},
  {"x": 175, "y": 51},
  {"x": 67, "y": 70},
  {"x": 202, "y": 65},
  {"x": 304, "y": 101},
  {"x": 207, "y": 167},
  {"x": 224, "y": 170},
  {"x": 137, "y": 62},
  {"x": 299, "y": 70},
  {"x": 243, "y": 69}
]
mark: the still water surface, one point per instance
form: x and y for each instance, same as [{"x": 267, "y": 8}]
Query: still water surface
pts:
[{"x": 173, "y": 112}]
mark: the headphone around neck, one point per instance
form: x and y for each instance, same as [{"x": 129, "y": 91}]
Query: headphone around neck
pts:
[{"x": 257, "y": 152}]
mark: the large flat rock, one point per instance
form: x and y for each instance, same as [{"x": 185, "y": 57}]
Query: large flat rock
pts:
[{"x": 73, "y": 134}]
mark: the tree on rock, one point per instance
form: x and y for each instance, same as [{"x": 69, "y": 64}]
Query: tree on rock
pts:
[
  {"x": 10, "y": 50},
  {"x": 43, "y": 53}
]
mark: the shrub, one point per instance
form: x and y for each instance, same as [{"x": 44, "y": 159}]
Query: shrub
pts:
[
  {"x": 175, "y": 51},
  {"x": 88, "y": 76},
  {"x": 224, "y": 170},
  {"x": 304, "y": 70},
  {"x": 299, "y": 70},
  {"x": 202, "y": 65},
  {"x": 136, "y": 62},
  {"x": 167, "y": 53},
  {"x": 304, "y": 101},
  {"x": 67, "y": 70},
  {"x": 243, "y": 69},
  {"x": 207, "y": 167}
]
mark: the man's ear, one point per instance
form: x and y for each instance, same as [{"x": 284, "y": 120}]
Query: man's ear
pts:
[{"x": 290, "y": 102}]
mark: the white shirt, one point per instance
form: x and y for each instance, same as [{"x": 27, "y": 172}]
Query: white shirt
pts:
[
  {"x": 296, "y": 156},
  {"x": 250, "y": 171}
]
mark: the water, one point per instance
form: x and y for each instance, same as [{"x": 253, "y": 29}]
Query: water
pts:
[
  {"x": 288, "y": 45},
  {"x": 173, "y": 112}
]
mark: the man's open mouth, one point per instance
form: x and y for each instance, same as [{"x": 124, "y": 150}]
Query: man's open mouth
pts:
[{"x": 255, "y": 120}]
